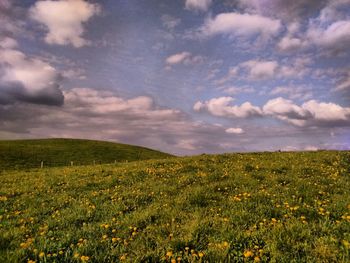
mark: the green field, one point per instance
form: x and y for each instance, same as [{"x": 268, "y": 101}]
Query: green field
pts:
[
  {"x": 21, "y": 154},
  {"x": 256, "y": 207}
]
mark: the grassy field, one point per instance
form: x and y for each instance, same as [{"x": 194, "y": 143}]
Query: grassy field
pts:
[
  {"x": 258, "y": 207},
  {"x": 19, "y": 154}
]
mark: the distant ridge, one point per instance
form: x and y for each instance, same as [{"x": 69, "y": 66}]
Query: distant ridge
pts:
[{"x": 62, "y": 152}]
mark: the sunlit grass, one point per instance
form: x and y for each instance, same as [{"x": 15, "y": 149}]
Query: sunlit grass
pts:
[{"x": 279, "y": 207}]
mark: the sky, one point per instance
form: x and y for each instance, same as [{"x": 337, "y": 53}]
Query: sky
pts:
[{"x": 182, "y": 76}]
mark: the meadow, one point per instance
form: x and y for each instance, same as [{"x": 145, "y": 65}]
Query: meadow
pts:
[{"x": 253, "y": 207}]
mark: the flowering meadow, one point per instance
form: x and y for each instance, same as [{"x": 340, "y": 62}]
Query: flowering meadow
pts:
[{"x": 254, "y": 207}]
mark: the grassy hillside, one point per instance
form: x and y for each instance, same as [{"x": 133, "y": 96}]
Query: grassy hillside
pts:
[
  {"x": 60, "y": 152},
  {"x": 266, "y": 207}
]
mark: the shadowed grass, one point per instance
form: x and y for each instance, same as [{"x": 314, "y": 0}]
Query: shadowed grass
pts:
[{"x": 22, "y": 154}]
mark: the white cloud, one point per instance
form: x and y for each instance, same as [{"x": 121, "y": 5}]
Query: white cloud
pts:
[
  {"x": 289, "y": 43},
  {"x": 330, "y": 30},
  {"x": 333, "y": 11},
  {"x": 33, "y": 73},
  {"x": 234, "y": 130},
  {"x": 293, "y": 28},
  {"x": 260, "y": 69},
  {"x": 8, "y": 43},
  {"x": 336, "y": 37},
  {"x": 178, "y": 58},
  {"x": 267, "y": 69},
  {"x": 64, "y": 20},
  {"x": 286, "y": 110},
  {"x": 198, "y": 5},
  {"x": 241, "y": 25},
  {"x": 220, "y": 107},
  {"x": 327, "y": 112},
  {"x": 87, "y": 100},
  {"x": 185, "y": 58},
  {"x": 74, "y": 73},
  {"x": 24, "y": 78},
  {"x": 310, "y": 113}
]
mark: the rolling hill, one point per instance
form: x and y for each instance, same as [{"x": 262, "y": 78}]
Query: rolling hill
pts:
[{"x": 61, "y": 152}]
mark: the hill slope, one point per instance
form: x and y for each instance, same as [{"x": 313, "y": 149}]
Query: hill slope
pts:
[
  {"x": 60, "y": 152},
  {"x": 266, "y": 207}
]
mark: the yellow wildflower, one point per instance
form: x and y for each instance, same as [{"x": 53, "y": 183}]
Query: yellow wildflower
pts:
[
  {"x": 84, "y": 258},
  {"x": 248, "y": 253}
]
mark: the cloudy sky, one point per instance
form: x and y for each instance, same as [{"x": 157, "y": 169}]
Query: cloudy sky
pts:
[{"x": 182, "y": 76}]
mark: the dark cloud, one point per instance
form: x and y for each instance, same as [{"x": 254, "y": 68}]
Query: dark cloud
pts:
[
  {"x": 285, "y": 10},
  {"x": 15, "y": 92},
  {"x": 12, "y": 16}
]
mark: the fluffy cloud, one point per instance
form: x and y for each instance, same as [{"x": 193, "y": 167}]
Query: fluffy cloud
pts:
[
  {"x": 260, "y": 69},
  {"x": 185, "y": 58},
  {"x": 289, "y": 43},
  {"x": 96, "y": 102},
  {"x": 327, "y": 112},
  {"x": 24, "y": 78},
  {"x": 8, "y": 43},
  {"x": 178, "y": 58},
  {"x": 198, "y": 5},
  {"x": 241, "y": 25},
  {"x": 64, "y": 20},
  {"x": 267, "y": 69},
  {"x": 285, "y": 110},
  {"x": 310, "y": 113},
  {"x": 220, "y": 107},
  {"x": 335, "y": 38},
  {"x": 333, "y": 11},
  {"x": 234, "y": 130}
]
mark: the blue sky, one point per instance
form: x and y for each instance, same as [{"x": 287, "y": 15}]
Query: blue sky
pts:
[{"x": 185, "y": 76}]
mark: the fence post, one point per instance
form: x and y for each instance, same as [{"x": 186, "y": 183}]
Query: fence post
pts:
[
  {"x": 71, "y": 163},
  {"x": 41, "y": 164}
]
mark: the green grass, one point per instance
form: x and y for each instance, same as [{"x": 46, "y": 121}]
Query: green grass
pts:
[
  {"x": 272, "y": 207},
  {"x": 18, "y": 154}
]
